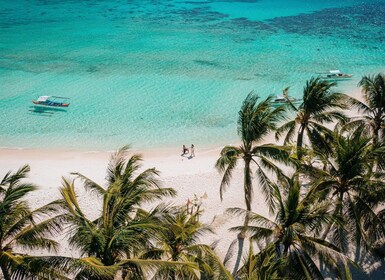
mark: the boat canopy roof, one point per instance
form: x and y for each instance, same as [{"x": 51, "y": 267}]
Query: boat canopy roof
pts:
[
  {"x": 43, "y": 98},
  {"x": 335, "y": 72},
  {"x": 46, "y": 97},
  {"x": 280, "y": 97}
]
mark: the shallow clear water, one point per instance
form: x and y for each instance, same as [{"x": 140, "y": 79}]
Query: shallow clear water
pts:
[{"x": 167, "y": 73}]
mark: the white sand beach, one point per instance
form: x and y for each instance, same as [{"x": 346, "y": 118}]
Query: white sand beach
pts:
[{"x": 189, "y": 176}]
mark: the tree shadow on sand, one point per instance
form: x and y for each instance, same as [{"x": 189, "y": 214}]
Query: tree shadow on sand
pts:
[{"x": 236, "y": 246}]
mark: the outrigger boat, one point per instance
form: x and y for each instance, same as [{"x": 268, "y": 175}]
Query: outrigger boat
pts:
[
  {"x": 284, "y": 99},
  {"x": 334, "y": 75},
  {"x": 52, "y": 101}
]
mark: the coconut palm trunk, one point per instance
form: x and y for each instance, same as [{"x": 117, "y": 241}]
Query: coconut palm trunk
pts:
[
  {"x": 248, "y": 187},
  {"x": 301, "y": 132},
  {"x": 377, "y": 130}
]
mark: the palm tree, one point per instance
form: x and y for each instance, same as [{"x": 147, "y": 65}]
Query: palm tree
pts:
[
  {"x": 317, "y": 108},
  {"x": 262, "y": 266},
  {"x": 294, "y": 247},
  {"x": 355, "y": 190},
  {"x": 255, "y": 121},
  {"x": 373, "y": 107},
  {"x": 59, "y": 267},
  {"x": 124, "y": 230},
  {"x": 23, "y": 229},
  {"x": 179, "y": 242}
]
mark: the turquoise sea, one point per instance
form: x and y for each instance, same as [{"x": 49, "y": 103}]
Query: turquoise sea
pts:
[{"x": 162, "y": 73}]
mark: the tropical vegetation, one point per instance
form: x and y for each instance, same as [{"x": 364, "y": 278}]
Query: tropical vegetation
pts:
[
  {"x": 295, "y": 245},
  {"x": 24, "y": 229},
  {"x": 320, "y": 105},
  {"x": 347, "y": 179},
  {"x": 372, "y": 107},
  {"x": 179, "y": 241},
  {"x": 123, "y": 231},
  {"x": 255, "y": 121}
]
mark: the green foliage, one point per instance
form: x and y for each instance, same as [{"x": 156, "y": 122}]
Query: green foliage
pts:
[
  {"x": 255, "y": 121},
  {"x": 294, "y": 244},
  {"x": 123, "y": 231},
  {"x": 180, "y": 241},
  {"x": 373, "y": 110},
  {"x": 319, "y": 106},
  {"x": 261, "y": 266},
  {"x": 22, "y": 228},
  {"x": 348, "y": 180}
]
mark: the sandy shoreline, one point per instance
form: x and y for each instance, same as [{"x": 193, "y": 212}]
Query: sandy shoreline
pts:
[{"x": 189, "y": 177}]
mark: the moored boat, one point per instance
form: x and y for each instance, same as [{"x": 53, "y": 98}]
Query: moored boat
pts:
[
  {"x": 52, "y": 101},
  {"x": 282, "y": 100},
  {"x": 335, "y": 75}
]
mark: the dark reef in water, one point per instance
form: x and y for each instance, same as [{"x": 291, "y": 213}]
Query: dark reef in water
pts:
[
  {"x": 358, "y": 22},
  {"x": 207, "y": 62},
  {"x": 364, "y": 22}
]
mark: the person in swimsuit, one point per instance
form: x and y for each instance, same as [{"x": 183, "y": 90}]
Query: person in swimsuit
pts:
[
  {"x": 192, "y": 150},
  {"x": 184, "y": 150}
]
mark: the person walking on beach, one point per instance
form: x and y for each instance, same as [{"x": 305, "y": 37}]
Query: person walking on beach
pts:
[
  {"x": 184, "y": 150},
  {"x": 192, "y": 150}
]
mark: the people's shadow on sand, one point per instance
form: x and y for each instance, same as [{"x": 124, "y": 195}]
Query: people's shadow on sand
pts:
[{"x": 186, "y": 156}]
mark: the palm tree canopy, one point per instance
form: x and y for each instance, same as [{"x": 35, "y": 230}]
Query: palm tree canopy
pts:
[
  {"x": 180, "y": 241},
  {"x": 319, "y": 106},
  {"x": 261, "y": 266},
  {"x": 22, "y": 228},
  {"x": 349, "y": 181},
  {"x": 295, "y": 246},
  {"x": 255, "y": 121},
  {"x": 123, "y": 229},
  {"x": 373, "y": 107},
  {"x": 373, "y": 88}
]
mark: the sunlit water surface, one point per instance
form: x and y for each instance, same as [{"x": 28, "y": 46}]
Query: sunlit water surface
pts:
[{"x": 167, "y": 73}]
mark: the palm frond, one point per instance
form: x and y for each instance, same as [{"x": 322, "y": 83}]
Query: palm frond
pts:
[
  {"x": 116, "y": 164},
  {"x": 13, "y": 179},
  {"x": 13, "y": 195},
  {"x": 151, "y": 265},
  {"x": 226, "y": 164},
  {"x": 83, "y": 268},
  {"x": 269, "y": 189},
  {"x": 89, "y": 184}
]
